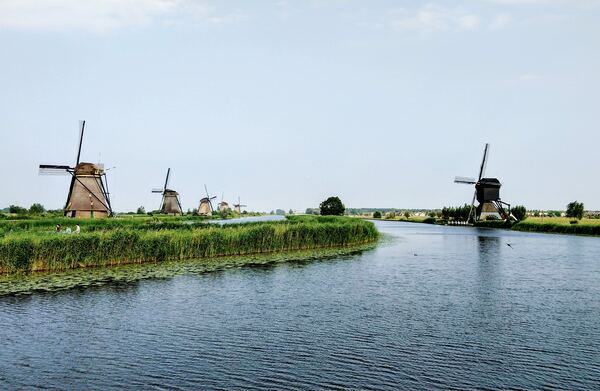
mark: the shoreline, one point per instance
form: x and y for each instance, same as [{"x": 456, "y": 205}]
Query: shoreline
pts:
[{"x": 590, "y": 230}]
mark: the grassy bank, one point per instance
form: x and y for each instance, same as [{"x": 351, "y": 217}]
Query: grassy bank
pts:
[
  {"x": 561, "y": 225},
  {"x": 36, "y": 248}
]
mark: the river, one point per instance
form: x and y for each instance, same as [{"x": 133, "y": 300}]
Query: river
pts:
[{"x": 430, "y": 307}]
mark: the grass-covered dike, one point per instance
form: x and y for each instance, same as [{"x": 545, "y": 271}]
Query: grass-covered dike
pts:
[{"x": 37, "y": 248}]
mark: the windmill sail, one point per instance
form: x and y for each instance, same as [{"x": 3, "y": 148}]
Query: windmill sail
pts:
[
  {"x": 486, "y": 152},
  {"x": 51, "y": 169}
]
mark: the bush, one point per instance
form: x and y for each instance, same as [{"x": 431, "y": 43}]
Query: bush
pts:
[
  {"x": 377, "y": 215},
  {"x": 36, "y": 209},
  {"x": 519, "y": 212},
  {"x": 429, "y": 220},
  {"x": 16, "y": 209}
]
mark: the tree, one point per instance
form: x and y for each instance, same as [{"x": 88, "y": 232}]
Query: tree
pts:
[
  {"x": 141, "y": 210},
  {"x": 332, "y": 206},
  {"x": 16, "y": 209},
  {"x": 377, "y": 215},
  {"x": 520, "y": 212},
  {"x": 37, "y": 209},
  {"x": 575, "y": 210},
  {"x": 407, "y": 214},
  {"x": 280, "y": 212},
  {"x": 291, "y": 212}
]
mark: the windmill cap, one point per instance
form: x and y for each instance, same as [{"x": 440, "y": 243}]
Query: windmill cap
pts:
[
  {"x": 489, "y": 182},
  {"x": 88, "y": 169}
]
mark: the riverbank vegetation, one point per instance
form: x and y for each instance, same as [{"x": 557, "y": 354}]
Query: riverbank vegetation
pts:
[{"x": 35, "y": 245}]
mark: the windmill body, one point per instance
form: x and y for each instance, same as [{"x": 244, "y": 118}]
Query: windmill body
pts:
[
  {"x": 487, "y": 194},
  {"x": 223, "y": 206},
  {"x": 170, "y": 198},
  {"x": 205, "y": 208},
  {"x": 88, "y": 195}
]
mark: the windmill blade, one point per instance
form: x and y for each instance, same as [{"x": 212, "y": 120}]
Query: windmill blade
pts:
[
  {"x": 468, "y": 181},
  {"x": 51, "y": 169},
  {"x": 486, "y": 153},
  {"x": 81, "y": 129},
  {"x": 212, "y": 198},
  {"x": 167, "y": 179},
  {"x": 157, "y": 190},
  {"x": 472, "y": 205},
  {"x": 206, "y": 189},
  {"x": 243, "y": 206}
]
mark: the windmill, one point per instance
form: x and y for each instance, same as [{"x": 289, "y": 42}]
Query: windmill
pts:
[
  {"x": 88, "y": 193},
  {"x": 170, "y": 198},
  {"x": 223, "y": 206},
  {"x": 238, "y": 207},
  {"x": 206, "y": 207},
  {"x": 487, "y": 193}
]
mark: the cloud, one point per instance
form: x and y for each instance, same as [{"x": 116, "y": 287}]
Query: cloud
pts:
[
  {"x": 101, "y": 15},
  {"x": 433, "y": 17}
]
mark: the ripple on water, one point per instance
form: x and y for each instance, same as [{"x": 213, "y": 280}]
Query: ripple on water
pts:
[{"x": 466, "y": 313}]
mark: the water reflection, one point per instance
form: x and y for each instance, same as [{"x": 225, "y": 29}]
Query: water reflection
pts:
[{"x": 488, "y": 266}]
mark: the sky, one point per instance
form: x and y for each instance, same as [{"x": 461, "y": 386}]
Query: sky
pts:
[{"x": 284, "y": 103}]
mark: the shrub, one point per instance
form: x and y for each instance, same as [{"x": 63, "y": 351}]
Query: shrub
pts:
[
  {"x": 377, "y": 215},
  {"x": 520, "y": 212}
]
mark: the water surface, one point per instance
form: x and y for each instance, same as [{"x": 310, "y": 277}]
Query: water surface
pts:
[{"x": 430, "y": 307}]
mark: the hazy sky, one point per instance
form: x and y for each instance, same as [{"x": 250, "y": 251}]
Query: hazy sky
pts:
[{"x": 287, "y": 102}]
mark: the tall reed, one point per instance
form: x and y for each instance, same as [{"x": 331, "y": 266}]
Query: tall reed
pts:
[{"x": 32, "y": 251}]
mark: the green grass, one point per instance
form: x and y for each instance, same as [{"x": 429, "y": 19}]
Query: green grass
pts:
[
  {"x": 111, "y": 242},
  {"x": 561, "y": 225}
]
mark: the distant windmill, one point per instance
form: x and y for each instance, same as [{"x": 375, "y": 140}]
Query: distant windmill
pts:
[
  {"x": 238, "y": 207},
  {"x": 223, "y": 206},
  {"x": 88, "y": 194},
  {"x": 206, "y": 207},
  {"x": 170, "y": 198},
  {"x": 487, "y": 193}
]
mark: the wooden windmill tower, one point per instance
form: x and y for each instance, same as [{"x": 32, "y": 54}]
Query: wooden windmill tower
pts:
[
  {"x": 206, "y": 207},
  {"x": 223, "y": 206},
  {"x": 487, "y": 193},
  {"x": 88, "y": 193},
  {"x": 170, "y": 198},
  {"x": 238, "y": 207}
]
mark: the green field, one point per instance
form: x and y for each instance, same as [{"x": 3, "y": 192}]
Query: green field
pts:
[{"x": 33, "y": 245}]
